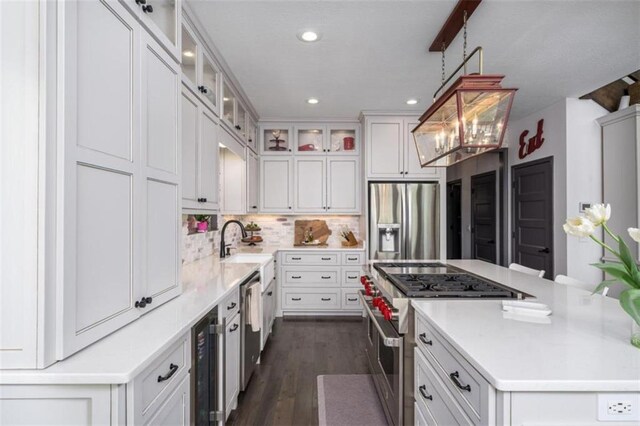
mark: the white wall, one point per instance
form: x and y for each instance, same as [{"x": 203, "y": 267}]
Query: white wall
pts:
[{"x": 573, "y": 139}]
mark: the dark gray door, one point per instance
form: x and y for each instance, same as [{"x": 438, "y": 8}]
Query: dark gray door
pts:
[
  {"x": 533, "y": 215},
  {"x": 483, "y": 217},
  {"x": 454, "y": 220}
]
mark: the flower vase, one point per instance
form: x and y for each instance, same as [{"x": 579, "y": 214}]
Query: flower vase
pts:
[
  {"x": 203, "y": 226},
  {"x": 635, "y": 334}
]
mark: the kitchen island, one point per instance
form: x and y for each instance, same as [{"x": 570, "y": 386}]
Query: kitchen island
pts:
[{"x": 478, "y": 364}]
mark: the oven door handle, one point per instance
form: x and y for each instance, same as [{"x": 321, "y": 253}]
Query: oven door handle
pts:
[{"x": 391, "y": 342}]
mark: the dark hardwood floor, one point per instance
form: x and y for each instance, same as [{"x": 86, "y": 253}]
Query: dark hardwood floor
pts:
[{"x": 283, "y": 390}]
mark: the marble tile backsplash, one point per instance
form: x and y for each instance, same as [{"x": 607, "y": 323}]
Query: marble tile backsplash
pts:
[{"x": 275, "y": 230}]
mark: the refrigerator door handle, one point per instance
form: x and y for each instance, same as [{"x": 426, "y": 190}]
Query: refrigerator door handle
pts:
[{"x": 404, "y": 225}]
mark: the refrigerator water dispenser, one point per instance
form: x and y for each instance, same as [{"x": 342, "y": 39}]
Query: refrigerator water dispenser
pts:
[{"x": 389, "y": 237}]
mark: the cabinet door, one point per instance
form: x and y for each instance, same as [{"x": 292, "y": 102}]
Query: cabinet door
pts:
[
  {"x": 241, "y": 119},
  {"x": 385, "y": 148},
  {"x": 232, "y": 363},
  {"x": 101, "y": 276},
  {"x": 343, "y": 185},
  {"x": 309, "y": 139},
  {"x": 176, "y": 410},
  {"x": 160, "y": 140},
  {"x": 190, "y": 134},
  {"x": 252, "y": 182},
  {"x": 209, "y": 81},
  {"x": 163, "y": 18},
  {"x": 208, "y": 160},
  {"x": 275, "y": 185},
  {"x": 190, "y": 58},
  {"x": 310, "y": 185},
  {"x": 343, "y": 139},
  {"x": 228, "y": 105},
  {"x": 252, "y": 136},
  {"x": 412, "y": 167}
]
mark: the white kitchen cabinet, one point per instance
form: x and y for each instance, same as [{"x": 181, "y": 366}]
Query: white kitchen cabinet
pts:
[
  {"x": 276, "y": 185},
  {"x": 268, "y": 311},
  {"x": 200, "y": 156},
  {"x": 199, "y": 71},
  {"x": 391, "y": 152},
  {"x": 276, "y": 139},
  {"x": 343, "y": 185},
  {"x": 176, "y": 410},
  {"x": 310, "y": 139},
  {"x": 343, "y": 139},
  {"x": 228, "y": 113},
  {"x": 319, "y": 283},
  {"x": 252, "y": 134},
  {"x": 253, "y": 182},
  {"x": 234, "y": 182},
  {"x": 232, "y": 363},
  {"x": 309, "y": 185},
  {"x": 162, "y": 18}
]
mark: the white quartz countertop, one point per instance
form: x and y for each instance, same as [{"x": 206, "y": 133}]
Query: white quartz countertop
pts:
[
  {"x": 584, "y": 346},
  {"x": 119, "y": 357}
]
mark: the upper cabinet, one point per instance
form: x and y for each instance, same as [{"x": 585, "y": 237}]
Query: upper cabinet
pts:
[
  {"x": 310, "y": 139},
  {"x": 391, "y": 152},
  {"x": 228, "y": 105},
  {"x": 162, "y": 18},
  {"x": 252, "y": 134},
  {"x": 199, "y": 71}
]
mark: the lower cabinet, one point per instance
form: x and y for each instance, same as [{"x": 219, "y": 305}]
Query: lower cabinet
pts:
[
  {"x": 320, "y": 282},
  {"x": 268, "y": 311},
  {"x": 232, "y": 363},
  {"x": 176, "y": 410}
]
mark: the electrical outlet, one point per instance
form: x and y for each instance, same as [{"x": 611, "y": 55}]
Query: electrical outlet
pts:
[{"x": 618, "y": 407}]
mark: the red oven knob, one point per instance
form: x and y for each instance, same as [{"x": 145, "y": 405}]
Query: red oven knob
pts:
[
  {"x": 388, "y": 314},
  {"x": 376, "y": 301}
]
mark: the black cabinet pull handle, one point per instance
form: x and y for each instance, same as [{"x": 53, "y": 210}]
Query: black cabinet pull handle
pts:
[
  {"x": 270, "y": 293},
  {"x": 423, "y": 339},
  {"x": 295, "y": 299},
  {"x": 254, "y": 207},
  {"x": 230, "y": 307},
  {"x": 172, "y": 370},
  {"x": 204, "y": 200},
  {"x": 544, "y": 250},
  {"x": 205, "y": 90},
  {"x": 289, "y": 207},
  {"x": 147, "y": 8},
  {"x": 425, "y": 395},
  {"x": 296, "y": 258},
  {"x": 250, "y": 140},
  {"x": 352, "y": 278},
  {"x": 143, "y": 302},
  {"x": 296, "y": 277},
  {"x": 139, "y": 2},
  {"x": 325, "y": 258},
  {"x": 234, "y": 328},
  {"x": 325, "y": 278},
  {"x": 325, "y": 299},
  {"x": 352, "y": 258},
  {"x": 454, "y": 378},
  {"x": 352, "y": 300},
  {"x": 200, "y": 88}
]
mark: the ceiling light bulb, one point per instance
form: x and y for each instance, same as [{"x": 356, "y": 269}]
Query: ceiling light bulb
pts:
[
  {"x": 312, "y": 101},
  {"x": 225, "y": 99},
  {"x": 309, "y": 36},
  {"x": 412, "y": 101},
  {"x": 188, "y": 54}
]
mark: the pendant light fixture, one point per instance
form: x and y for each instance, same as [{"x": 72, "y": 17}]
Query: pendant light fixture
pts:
[{"x": 468, "y": 119}]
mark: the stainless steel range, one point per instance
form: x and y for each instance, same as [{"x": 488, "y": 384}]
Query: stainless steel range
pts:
[{"x": 388, "y": 288}]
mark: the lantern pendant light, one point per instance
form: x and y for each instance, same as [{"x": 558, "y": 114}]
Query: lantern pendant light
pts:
[{"x": 468, "y": 119}]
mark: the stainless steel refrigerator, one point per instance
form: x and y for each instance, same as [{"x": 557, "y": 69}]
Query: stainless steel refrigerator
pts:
[{"x": 404, "y": 220}]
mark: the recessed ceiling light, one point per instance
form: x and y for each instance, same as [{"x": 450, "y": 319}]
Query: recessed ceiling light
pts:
[
  {"x": 312, "y": 101},
  {"x": 412, "y": 101},
  {"x": 309, "y": 36},
  {"x": 188, "y": 54}
]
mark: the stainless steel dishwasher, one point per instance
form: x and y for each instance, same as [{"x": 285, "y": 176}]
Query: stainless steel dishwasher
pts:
[{"x": 249, "y": 339}]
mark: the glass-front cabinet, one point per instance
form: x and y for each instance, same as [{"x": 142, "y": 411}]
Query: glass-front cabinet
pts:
[
  {"x": 209, "y": 80},
  {"x": 310, "y": 139},
  {"x": 252, "y": 135},
  {"x": 228, "y": 105},
  {"x": 199, "y": 72},
  {"x": 241, "y": 120},
  {"x": 190, "y": 54},
  {"x": 343, "y": 139},
  {"x": 275, "y": 138},
  {"x": 162, "y": 18}
]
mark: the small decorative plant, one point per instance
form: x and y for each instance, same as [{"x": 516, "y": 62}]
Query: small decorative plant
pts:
[
  {"x": 203, "y": 222},
  {"x": 625, "y": 272}
]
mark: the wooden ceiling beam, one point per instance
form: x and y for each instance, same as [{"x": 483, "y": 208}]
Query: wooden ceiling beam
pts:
[{"x": 454, "y": 24}]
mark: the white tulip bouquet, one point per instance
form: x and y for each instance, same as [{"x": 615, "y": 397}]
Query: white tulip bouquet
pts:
[{"x": 625, "y": 272}]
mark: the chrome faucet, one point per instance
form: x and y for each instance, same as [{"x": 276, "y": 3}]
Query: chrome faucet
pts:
[{"x": 224, "y": 246}]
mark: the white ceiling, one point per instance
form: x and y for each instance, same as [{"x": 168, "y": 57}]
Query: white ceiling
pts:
[{"x": 373, "y": 54}]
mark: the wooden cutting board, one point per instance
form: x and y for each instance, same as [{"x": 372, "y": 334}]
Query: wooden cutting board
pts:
[{"x": 319, "y": 229}]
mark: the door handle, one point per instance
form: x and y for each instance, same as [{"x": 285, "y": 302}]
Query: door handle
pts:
[
  {"x": 326, "y": 278},
  {"x": 454, "y": 378},
  {"x": 423, "y": 339},
  {"x": 296, "y": 299},
  {"x": 325, "y": 258},
  {"x": 296, "y": 277},
  {"x": 234, "y": 328},
  {"x": 233, "y": 305},
  {"x": 544, "y": 250},
  {"x": 172, "y": 370},
  {"x": 425, "y": 395}
]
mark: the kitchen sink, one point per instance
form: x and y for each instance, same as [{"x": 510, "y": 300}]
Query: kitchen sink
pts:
[{"x": 266, "y": 261}]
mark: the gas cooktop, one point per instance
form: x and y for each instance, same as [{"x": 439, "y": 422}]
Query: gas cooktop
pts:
[{"x": 433, "y": 279}]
